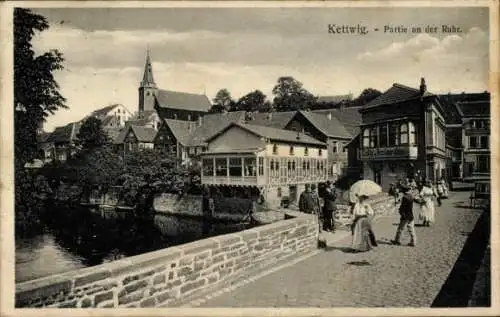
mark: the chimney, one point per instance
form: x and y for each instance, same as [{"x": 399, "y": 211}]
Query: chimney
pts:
[
  {"x": 199, "y": 121},
  {"x": 329, "y": 115},
  {"x": 423, "y": 87}
]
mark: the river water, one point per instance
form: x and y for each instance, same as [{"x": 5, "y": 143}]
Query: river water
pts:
[{"x": 73, "y": 238}]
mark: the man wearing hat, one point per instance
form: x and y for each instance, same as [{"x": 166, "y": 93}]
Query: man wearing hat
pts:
[{"x": 407, "y": 219}]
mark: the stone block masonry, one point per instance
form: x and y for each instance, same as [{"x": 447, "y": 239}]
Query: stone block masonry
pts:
[
  {"x": 381, "y": 205},
  {"x": 172, "y": 276}
]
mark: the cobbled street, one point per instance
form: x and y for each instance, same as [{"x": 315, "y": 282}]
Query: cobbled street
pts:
[{"x": 390, "y": 275}]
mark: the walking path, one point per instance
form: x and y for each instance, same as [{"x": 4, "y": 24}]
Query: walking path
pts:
[{"x": 394, "y": 276}]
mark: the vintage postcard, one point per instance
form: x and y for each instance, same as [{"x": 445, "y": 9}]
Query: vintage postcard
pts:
[{"x": 249, "y": 158}]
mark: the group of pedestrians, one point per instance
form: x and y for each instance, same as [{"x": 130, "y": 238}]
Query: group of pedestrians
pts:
[
  {"x": 310, "y": 202},
  {"x": 418, "y": 201}
]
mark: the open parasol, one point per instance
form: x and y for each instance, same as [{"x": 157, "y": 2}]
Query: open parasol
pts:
[{"x": 363, "y": 188}]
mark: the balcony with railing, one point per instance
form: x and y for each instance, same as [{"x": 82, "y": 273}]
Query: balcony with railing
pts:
[{"x": 262, "y": 170}]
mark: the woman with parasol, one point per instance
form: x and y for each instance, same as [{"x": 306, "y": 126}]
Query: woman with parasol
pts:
[{"x": 363, "y": 238}]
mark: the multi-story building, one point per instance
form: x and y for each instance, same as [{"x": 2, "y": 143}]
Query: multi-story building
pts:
[
  {"x": 277, "y": 162},
  {"x": 112, "y": 116},
  {"x": 468, "y": 136},
  {"x": 335, "y": 127},
  {"x": 403, "y": 135}
]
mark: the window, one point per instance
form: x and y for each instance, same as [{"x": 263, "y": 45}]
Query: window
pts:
[
  {"x": 412, "y": 133},
  {"x": 250, "y": 166},
  {"x": 366, "y": 138},
  {"x": 291, "y": 150},
  {"x": 279, "y": 192},
  {"x": 485, "y": 142},
  {"x": 235, "y": 166},
  {"x": 221, "y": 167},
  {"x": 189, "y": 117},
  {"x": 383, "y": 136},
  {"x": 403, "y": 133},
  {"x": 472, "y": 142},
  {"x": 208, "y": 167},
  {"x": 261, "y": 166},
  {"x": 308, "y": 165},
  {"x": 393, "y": 134},
  {"x": 373, "y": 137},
  {"x": 306, "y": 151},
  {"x": 275, "y": 149},
  {"x": 334, "y": 147},
  {"x": 320, "y": 152},
  {"x": 118, "y": 110},
  {"x": 344, "y": 147},
  {"x": 483, "y": 163}
]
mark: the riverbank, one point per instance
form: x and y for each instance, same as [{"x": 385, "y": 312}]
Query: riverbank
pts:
[{"x": 75, "y": 237}]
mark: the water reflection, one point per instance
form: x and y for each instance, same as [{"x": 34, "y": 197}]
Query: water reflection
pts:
[{"x": 77, "y": 237}]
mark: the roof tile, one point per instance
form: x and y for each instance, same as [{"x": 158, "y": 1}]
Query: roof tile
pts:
[{"x": 182, "y": 100}]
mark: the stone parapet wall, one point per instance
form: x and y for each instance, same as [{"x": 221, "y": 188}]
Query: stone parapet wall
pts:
[
  {"x": 381, "y": 205},
  {"x": 172, "y": 276},
  {"x": 226, "y": 208}
]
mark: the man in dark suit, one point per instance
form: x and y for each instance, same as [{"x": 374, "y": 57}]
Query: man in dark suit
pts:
[
  {"x": 407, "y": 219},
  {"x": 329, "y": 207}
]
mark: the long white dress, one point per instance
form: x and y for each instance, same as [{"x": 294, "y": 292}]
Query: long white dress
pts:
[{"x": 427, "y": 209}]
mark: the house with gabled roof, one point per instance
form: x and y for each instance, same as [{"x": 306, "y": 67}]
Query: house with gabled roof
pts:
[
  {"x": 276, "y": 162},
  {"x": 187, "y": 138},
  {"x": 168, "y": 103},
  {"x": 335, "y": 127},
  {"x": 63, "y": 141},
  {"x": 135, "y": 138},
  {"x": 112, "y": 116}
]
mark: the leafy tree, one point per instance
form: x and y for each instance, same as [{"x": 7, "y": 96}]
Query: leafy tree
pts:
[
  {"x": 254, "y": 101},
  {"x": 148, "y": 166},
  {"x": 96, "y": 167},
  {"x": 289, "y": 95},
  {"x": 36, "y": 93},
  {"x": 366, "y": 96},
  {"x": 91, "y": 134},
  {"x": 222, "y": 101},
  {"x": 36, "y": 96}
]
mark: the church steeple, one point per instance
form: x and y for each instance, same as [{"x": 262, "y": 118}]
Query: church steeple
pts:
[
  {"x": 147, "y": 88},
  {"x": 147, "y": 79}
]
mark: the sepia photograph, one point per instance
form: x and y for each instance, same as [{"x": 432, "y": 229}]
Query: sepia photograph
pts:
[{"x": 248, "y": 156}]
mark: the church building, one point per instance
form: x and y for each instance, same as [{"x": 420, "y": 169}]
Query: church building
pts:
[{"x": 169, "y": 104}]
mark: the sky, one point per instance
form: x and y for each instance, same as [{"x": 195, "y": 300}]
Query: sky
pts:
[{"x": 202, "y": 50}]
